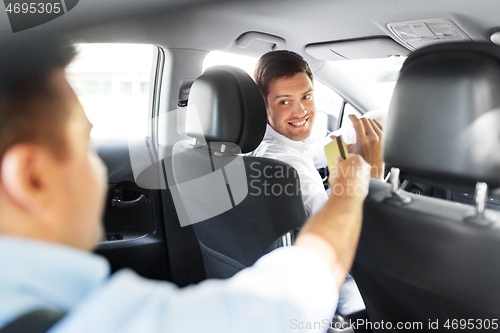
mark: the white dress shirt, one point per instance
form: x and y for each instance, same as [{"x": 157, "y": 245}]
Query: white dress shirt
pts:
[
  {"x": 298, "y": 154},
  {"x": 282, "y": 292}
]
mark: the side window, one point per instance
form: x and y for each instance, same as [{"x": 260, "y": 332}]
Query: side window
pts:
[
  {"x": 348, "y": 110},
  {"x": 328, "y": 104},
  {"x": 347, "y": 130},
  {"x": 113, "y": 83},
  {"x": 375, "y": 77},
  {"x": 217, "y": 58}
]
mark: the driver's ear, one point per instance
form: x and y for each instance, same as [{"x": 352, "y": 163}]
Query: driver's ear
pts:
[{"x": 26, "y": 175}]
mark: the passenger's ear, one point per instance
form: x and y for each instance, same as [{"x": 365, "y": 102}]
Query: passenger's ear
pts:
[
  {"x": 268, "y": 113},
  {"x": 25, "y": 174}
]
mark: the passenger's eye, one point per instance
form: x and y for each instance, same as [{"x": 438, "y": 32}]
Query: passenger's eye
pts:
[
  {"x": 284, "y": 102},
  {"x": 307, "y": 96}
]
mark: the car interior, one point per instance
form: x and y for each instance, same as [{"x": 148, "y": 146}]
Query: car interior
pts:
[{"x": 167, "y": 85}]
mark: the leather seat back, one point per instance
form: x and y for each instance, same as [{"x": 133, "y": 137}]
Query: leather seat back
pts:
[
  {"x": 444, "y": 119},
  {"x": 425, "y": 260},
  {"x": 239, "y": 206}
]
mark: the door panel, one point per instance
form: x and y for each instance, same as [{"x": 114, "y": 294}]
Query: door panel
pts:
[{"x": 133, "y": 218}]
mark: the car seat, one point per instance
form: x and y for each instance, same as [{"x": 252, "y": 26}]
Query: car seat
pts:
[
  {"x": 241, "y": 207},
  {"x": 422, "y": 259}
]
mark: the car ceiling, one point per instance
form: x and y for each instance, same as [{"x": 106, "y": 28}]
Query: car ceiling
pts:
[
  {"x": 212, "y": 25},
  {"x": 215, "y": 25}
]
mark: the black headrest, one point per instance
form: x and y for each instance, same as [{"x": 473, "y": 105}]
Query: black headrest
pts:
[
  {"x": 229, "y": 106},
  {"x": 444, "y": 118}
]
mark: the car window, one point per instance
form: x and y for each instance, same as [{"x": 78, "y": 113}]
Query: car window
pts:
[
  {"x": 328, "y": 106},
  {"x": 328, "y": 102},
  {"x": 348, "y": 110},
  {"x": 113, "y": 83},
  {"x": 217, "y": 58},
  {"x": 376, "y": 76}
]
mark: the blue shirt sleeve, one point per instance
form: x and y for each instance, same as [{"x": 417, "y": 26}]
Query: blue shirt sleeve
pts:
[{"x": 282, "y": 292}]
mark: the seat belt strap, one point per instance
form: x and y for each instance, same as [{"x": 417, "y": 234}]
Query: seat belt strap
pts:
[{"x": 38, "y": 321}]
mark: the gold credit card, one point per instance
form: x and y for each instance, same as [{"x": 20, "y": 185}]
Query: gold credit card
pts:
[{"x": 335, "y": 149}]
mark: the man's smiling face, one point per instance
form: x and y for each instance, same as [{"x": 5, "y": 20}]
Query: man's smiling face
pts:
[{"x": 290, "y": 106}]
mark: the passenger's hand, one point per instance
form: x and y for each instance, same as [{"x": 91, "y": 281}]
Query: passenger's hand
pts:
[{"x": 368, "y": 143}]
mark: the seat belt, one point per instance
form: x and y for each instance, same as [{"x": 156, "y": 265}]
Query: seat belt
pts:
[{"x": 38, "y": 321}]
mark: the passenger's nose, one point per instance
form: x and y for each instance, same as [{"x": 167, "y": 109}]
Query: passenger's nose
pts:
[{"x": 299, "y": 110}]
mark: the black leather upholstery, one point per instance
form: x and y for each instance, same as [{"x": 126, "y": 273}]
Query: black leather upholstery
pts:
[
  {"x": 238, "y": 237},
  {"x": 238, "y": 205},
  {"x": 423, "y": 261},
  {"x": 229, "y": 107},
  {"x": 444, "y": 119}
]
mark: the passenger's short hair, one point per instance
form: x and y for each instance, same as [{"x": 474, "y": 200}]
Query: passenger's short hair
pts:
[
  {"x": 26, "y": 67},
  {"x": 279, "y": 64}
]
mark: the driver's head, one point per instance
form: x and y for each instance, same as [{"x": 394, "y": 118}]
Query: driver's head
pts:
[
  {"x": 286, "y": 83},
  {"x": 52, "y": 184}
]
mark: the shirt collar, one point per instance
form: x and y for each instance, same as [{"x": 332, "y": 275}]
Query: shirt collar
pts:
[
  {"x": 272, "y": 134},
  {"x": 54, "y": 273}
]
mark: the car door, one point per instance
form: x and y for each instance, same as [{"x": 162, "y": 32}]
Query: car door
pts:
[
  {"x": 116, "y": 84},
  {"x": 135, "y": 236}
]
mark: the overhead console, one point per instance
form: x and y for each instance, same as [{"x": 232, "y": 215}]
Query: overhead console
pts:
[
  {"x": 407, "y": 36},
  {"x": 417, "y": 33}
]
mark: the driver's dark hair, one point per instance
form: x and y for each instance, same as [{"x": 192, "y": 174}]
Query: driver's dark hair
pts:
[
  {"x": 279, "y": 64},
  {"x": 26, "y": 68}
]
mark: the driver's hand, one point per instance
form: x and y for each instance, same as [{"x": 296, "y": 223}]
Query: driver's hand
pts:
[
  {"x": 333, "y": 232},
  {"x": 350, "y": 178},
  {"x": 368, "y": 143}
]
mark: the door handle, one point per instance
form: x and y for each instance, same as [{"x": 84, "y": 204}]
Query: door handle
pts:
[
  {"x": 126, "y": 198},
  {"x": 128, "y": 203}
]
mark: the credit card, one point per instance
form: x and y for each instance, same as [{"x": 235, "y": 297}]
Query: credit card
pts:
[{"x": 335, "y": 149}]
